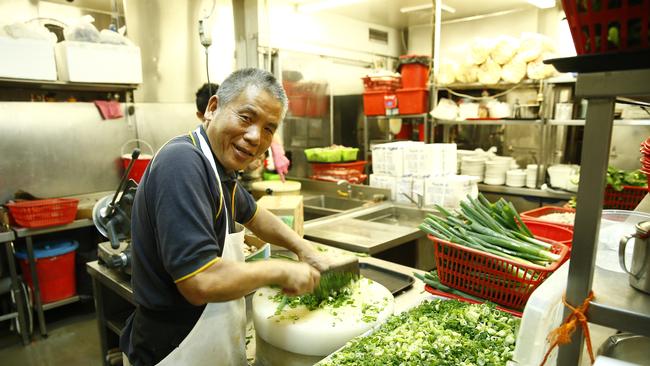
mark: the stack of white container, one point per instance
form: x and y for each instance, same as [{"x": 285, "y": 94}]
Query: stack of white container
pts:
[
  {"x": 413, "y": 169},
  {"x": 496, "y": 168}
]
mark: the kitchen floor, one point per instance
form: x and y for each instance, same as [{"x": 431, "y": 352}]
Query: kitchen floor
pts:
[{"x": 73, "y": 340}]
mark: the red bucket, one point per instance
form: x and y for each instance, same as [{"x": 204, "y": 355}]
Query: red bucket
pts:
[{"x": 140, "y": 164}]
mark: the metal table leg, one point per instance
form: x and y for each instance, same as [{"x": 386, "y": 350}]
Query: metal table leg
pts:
[
  {"x": 101, "y": 318},
  {"x": 15, "y": 288},
  {"x": 37, "y": 289}
]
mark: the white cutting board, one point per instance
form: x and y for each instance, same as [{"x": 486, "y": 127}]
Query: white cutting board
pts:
[{"x": 321, "y": 331}]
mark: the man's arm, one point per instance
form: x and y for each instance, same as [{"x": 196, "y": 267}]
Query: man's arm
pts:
[
  {"x": 271, "y": 229},
  {"x": 228, "y": 280}
]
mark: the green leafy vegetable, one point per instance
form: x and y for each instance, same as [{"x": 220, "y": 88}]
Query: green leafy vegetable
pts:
[
  {"x": 618, "y": 178},
  {"x": 436, "y": 333}
]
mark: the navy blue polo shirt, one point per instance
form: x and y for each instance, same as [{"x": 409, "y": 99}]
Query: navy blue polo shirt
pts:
[{"x": 178, "y": 227}]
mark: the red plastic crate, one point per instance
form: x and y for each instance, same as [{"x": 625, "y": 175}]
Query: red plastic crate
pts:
[
  {"x": 413, "y": 101},
  {"x": 374, "y": 102},
  {"x": 489, "y": 276},
  {"x": 43, "y": 213},
  {"x": 549, "y": 231},
  {"x": 534, "y": 215},
  {"x": 298, "y": 105},
  {"x": 627, "y": 199},
  {"x": 590, "y": 23}
]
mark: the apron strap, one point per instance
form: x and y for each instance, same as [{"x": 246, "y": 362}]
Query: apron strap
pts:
[{"x": 205, "y": 148}]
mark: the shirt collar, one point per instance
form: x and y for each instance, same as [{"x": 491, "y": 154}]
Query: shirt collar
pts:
[{"x": 227, "y": 177}]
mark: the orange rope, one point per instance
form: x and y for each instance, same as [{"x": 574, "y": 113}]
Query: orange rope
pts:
[{"x": 562, "y": 334}]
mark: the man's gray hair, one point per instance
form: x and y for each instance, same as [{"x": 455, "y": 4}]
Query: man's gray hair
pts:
[{"x": 240, "y": 80}]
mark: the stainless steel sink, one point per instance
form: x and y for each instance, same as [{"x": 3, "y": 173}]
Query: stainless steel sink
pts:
[
  {"x": 395, "y": 215},
  {"x": 334, "y": 203}
]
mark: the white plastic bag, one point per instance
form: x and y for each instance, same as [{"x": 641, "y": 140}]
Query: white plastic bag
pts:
[
  {"x": 82, "y": 31},
  {"x": 531, "y": 47},
  {"x": 489, "y": 72},
  {"x": 446, "y": 109},
  {"x": 514, "y": 71},
  {"x": 538, "y": 70},
  {"x": 467, "y": 72},
  {"x": 29, "y": 31},
  {"x": 480, "y": 50},
  {"x": 447, "y": 72},
  {"x": 505, "y": 49},
  {"x": 111, "y": 37}
]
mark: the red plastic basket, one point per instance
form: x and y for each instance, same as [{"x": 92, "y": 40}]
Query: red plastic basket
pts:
[
  {"x": 381, "y": 83},
  {"x": 534, "y": 215},
  {"x": 551, "y": 232},
  {"x": 491, "y": 277},
  {"x": 627, "y": 199},
  {"x": 333, "y": 172},
  {"x": 43, "y": 213},
  {"x": 591, "y": 24},
  {"x": 436, "y": 292},
  {"x": 374, "y": 102}
]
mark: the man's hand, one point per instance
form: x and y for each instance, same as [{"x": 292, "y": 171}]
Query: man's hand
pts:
[
  {"x": 314, "y": 258},
  {"x": 300, "y": 278}
]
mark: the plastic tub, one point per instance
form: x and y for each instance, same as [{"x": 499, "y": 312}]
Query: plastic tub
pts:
[
  {"x": 551, "y": 232},
  {"x": 298, "y": 105},
  {"x": 534, "y": 215},
  {"x": 414, "y": 70},
  {"x": 141, "y": 162},
  {"x": 55, "y": 268},
  {"x": 413, "y": 100}
]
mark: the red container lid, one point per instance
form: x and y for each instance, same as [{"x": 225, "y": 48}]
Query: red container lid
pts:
[{"x": 408, "y": 90}]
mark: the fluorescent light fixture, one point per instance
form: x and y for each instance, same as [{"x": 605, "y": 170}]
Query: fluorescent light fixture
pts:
[
  {"x": 409, "y": 9},
  {"x": 542, "y": 4},
  {"x": 315, "y": 6}
]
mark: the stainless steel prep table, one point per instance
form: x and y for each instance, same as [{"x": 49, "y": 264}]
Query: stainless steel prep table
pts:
[{"x": 114, "y": 300}]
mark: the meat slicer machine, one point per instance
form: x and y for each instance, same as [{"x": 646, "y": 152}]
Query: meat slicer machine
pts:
[{"x": 112, "y": 218}]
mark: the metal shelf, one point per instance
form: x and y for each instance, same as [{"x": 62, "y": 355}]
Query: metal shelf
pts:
[
  {"x": 478, "y": 86},
  {"x": 117, "y": 322},
  {"x": 56, "y": 304},
  {"x": 22, "y": 232},
  {"x": 401, "y": 116},
  {"x": 618, "y": 305},
  {"x": 6, "y": 236},
  {"x": 617, "y": 122},
  {"x": 491, "y": 122},
  {"x": 521, "y": 191},
  {"x": 63, "y": 85}
]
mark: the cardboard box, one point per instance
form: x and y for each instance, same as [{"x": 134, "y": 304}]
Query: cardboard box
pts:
[
  {"x": 98, "y": 63},
  {"x": 289, "y": 208},
  {"x": 386, "y": 182},
  {"x": 27, "y": 59}
]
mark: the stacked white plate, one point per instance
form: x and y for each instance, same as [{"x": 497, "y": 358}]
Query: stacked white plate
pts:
[
  {"x": 516, "y": 177},
  {"x": 460, "y": 154},
  {"x": 474, "y": 166},
  {"x": 531, "y": 175},
  {"x": 496, "y": 168}
]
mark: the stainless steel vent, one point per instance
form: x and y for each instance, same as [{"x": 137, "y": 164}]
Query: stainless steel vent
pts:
[{"x": 378, "y": 36}]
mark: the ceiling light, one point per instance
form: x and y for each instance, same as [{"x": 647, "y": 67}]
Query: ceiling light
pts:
[
  {"x": 409, "y": 9},
  {"x": 315, "y": 6},
  {"x": 542, "y": 4}
]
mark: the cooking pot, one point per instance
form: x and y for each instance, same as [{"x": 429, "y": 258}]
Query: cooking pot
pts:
[{"x": 639, "y": 271}]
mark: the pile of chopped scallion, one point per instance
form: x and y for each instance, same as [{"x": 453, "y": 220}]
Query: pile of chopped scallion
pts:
[{"x": 436, "y": 333}]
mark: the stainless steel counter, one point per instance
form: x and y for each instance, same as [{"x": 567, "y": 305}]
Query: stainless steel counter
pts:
[
  {"x": 530, "y": 192},
  {"x": 6, "y": 236}
]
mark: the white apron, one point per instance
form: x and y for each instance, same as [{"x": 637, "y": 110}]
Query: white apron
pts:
[{"x": 218, "y": 338}]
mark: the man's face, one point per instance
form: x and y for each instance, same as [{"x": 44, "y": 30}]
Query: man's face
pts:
[{"x": 243, "y": 129}]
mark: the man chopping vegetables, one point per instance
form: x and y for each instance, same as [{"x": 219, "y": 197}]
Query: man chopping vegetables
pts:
[{"x": 189, "y": 275}]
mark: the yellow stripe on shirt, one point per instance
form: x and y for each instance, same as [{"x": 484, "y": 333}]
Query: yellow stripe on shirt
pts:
[
  {"x": 203, "y": 268},
  {"x": 220, "y": 189}
]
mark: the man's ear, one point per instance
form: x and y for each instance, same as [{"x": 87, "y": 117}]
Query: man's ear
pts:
[{"x": 213, "y": 103}]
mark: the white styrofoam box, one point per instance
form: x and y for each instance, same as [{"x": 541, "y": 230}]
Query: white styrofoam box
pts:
[
  {"x": 379, "y": 159},
  {"x": 543, "y": 313},
  {"x": 27, "y": 59},
  {"x": 449, "y": 191},
  {"x": 416, "y": 159},
  {"x": 98, "y": 63},
  {"x": 386, "y": 182}
]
